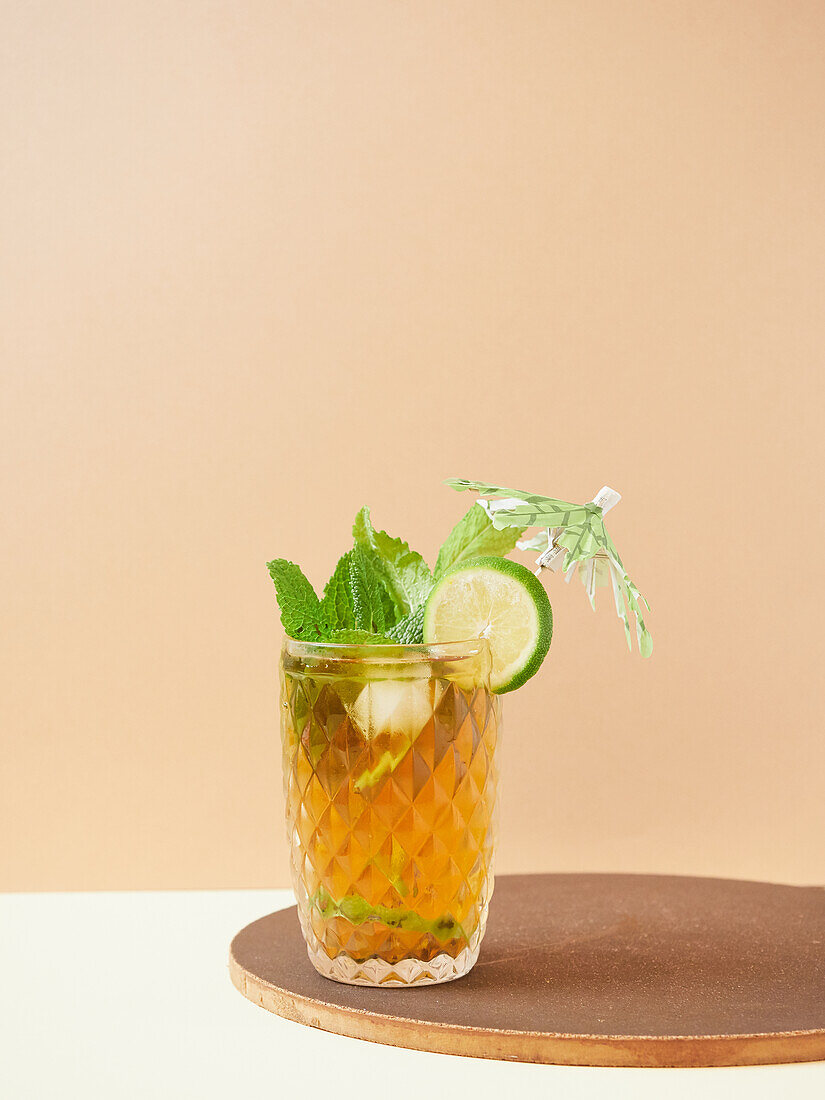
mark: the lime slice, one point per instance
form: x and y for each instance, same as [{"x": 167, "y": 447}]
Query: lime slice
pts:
[{"x": 500, "y": 600}]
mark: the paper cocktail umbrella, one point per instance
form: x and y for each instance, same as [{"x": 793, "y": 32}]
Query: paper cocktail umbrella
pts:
[{"x": 575, "y": 538}]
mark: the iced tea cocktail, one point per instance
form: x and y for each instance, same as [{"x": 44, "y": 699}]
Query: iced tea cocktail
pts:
[
  {"x": 391, "y": 681},
  {"x": 389, "y": 756}
]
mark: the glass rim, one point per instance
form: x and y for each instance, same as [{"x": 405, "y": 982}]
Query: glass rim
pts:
[{"x": 386, "y": 652}]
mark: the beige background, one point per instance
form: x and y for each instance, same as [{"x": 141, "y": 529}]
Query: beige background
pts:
[{"x": 265, "y": 262}]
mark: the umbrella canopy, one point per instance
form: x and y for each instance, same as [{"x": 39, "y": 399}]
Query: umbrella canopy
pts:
[{"x": 574, "y": 537}]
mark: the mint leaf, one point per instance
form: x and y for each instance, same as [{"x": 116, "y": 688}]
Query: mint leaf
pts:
[
  {"x": 356, "y": 607},
  {"x": 410, "y": 630},
  {"x": 300, "y": 607},
  {"x": 371, "y": 603},
  {"x": 474, "y": 536},
  {"x": 357, "y": 910},
  {"x": 355, "y": 600},
  {"x": 403, "y": 572},
  {"x": 336, "y": 610}
]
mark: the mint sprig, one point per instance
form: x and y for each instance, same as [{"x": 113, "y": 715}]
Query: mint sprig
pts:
[{"x": 378, "y": 589}]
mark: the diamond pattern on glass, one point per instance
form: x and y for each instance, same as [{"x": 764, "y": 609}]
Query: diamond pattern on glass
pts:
[{"x": 391, "y": 794}]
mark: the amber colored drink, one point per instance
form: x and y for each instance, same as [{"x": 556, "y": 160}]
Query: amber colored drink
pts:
[{"x": 390, "y": 779}]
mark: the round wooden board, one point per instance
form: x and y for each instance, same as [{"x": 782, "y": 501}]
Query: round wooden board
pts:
[{"x": 597, "y": 970}]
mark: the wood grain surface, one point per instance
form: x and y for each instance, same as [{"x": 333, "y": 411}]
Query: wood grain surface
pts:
[{"x": 609, "y": 970}]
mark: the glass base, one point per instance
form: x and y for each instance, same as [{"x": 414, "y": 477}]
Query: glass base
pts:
[{"x": 408, "y": 972}]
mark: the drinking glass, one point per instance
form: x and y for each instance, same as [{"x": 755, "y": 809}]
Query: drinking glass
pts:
[{"x": 390, "y": 777}]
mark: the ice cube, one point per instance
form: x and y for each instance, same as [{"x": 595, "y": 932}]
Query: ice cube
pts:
[{"x": 393, "y": 706}]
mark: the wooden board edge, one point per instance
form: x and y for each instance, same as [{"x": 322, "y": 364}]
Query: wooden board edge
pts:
[{"x": 537, "y": 1047}]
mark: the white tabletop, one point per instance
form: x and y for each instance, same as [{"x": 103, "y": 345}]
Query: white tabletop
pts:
[{"x": 127, "y": 995}]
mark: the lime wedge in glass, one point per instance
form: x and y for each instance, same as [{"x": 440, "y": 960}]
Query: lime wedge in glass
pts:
[{"x": 499, "y": 600}]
